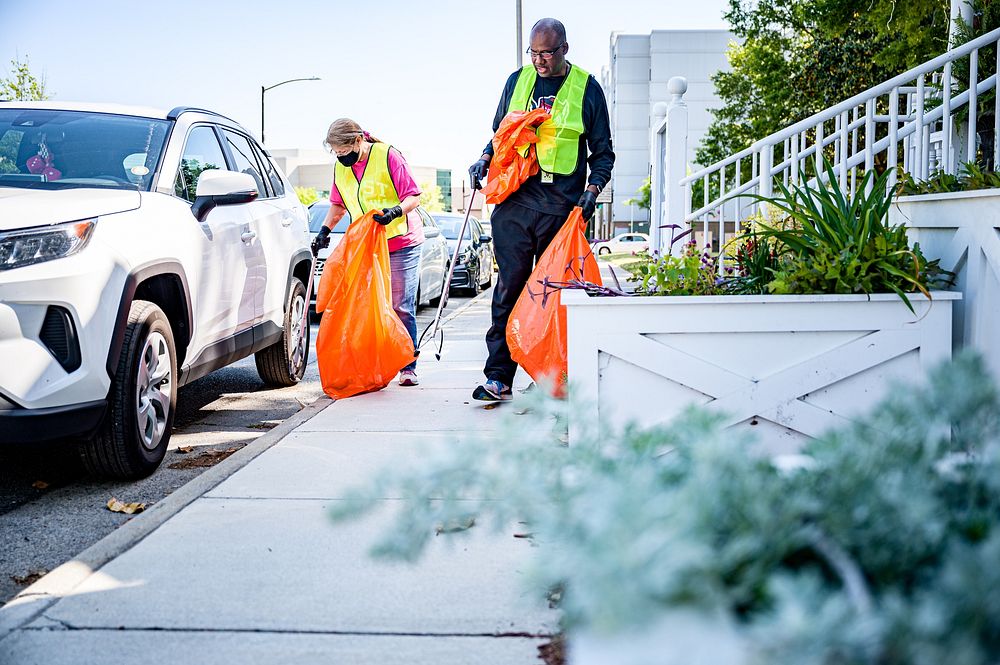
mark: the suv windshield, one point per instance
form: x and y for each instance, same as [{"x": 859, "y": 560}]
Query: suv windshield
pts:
[{"x": 47, "y": 149}]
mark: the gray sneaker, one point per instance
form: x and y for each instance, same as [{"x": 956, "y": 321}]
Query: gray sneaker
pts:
[
  {"x": 492, "y": 391},
  {"x": 408, "y": 377}
]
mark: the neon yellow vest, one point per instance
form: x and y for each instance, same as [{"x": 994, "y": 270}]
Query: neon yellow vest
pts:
[
  {"x": 558, "y": 146},
  {"x": 374, "y": 192}
]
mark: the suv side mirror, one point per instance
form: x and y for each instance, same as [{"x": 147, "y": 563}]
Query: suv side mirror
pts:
[
  {"x": 431, "y": 232},
  {"x": 220, "y": 188},
  {"x": 485, "y": 238}
]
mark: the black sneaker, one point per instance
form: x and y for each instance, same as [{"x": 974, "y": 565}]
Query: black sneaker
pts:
[{"x": 492, "y": 391}]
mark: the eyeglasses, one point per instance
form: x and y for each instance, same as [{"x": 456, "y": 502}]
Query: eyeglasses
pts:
[{"x": 544, "y": 55}]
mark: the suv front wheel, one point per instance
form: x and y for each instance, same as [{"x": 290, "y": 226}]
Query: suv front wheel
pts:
[
  {"x": 132, "y": 438},
  {"x": 284, "y": 362}
]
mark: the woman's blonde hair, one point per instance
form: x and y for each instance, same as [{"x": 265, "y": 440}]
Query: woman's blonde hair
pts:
[{"x": 345, "y": 131}]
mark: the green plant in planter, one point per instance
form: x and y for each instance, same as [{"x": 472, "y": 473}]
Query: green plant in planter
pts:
[
  {"x": 878, "y": 546},
  {"x": 833, "y": 243},
  {"x": 970, "y": 176},
  {"x": 754, "y": 262},
  {"x": 692, "y": 272}
]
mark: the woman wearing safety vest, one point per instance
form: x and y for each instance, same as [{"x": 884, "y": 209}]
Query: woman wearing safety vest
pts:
[{"x": 371, "y": 175}]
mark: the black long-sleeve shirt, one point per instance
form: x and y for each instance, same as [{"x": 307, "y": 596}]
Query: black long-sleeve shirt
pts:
[{"x": 559, "y": 196}]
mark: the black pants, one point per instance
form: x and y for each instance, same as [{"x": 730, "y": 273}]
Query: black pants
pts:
[{"x": 520, "y": 236}]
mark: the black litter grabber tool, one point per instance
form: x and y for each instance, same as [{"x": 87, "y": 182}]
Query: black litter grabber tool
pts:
[
  {"x": 434, "y": 327},
  {"x": 301, "y": 349}
]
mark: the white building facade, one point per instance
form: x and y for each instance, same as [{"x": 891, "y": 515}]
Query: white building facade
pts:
[{"x": 636, "y": 80}]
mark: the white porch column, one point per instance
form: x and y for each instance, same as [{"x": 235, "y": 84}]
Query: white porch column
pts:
[
  {"x": 959, "y": 9},
  {"x": 657, "y": 193},
  {"x": 675, "y": 164}
]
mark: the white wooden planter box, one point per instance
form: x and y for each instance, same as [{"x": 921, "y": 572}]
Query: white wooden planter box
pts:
[
  {"x": 963, "y": 229},
  {"x": 789, "y": 367}
]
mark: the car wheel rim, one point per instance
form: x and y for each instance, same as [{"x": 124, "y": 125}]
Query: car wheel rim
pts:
[
  {"x": 298, "y": 340},
  {"x": 154, "y": 386}
]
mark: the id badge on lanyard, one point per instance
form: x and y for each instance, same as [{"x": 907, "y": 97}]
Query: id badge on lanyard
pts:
[{"x": 547, "y": 178}]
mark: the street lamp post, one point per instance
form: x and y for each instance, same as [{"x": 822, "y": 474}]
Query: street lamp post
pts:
[
  {"x": 518, "y": 21},
  {"x": 264, "y": 89}
]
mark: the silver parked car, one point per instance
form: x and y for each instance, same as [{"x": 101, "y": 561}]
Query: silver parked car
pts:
[{"x": 434, "y": 254}]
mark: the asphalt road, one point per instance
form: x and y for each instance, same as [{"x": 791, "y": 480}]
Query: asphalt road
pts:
[{"x": 50, "y": 510}]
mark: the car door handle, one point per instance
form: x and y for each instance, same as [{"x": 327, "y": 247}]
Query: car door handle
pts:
[{"x": 247, "y": 236}]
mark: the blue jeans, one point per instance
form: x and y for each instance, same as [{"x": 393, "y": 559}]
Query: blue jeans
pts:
[{"x": 404, "y": 269}]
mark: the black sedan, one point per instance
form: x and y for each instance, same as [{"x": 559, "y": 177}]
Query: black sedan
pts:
[{"x": 474, "y": 268}]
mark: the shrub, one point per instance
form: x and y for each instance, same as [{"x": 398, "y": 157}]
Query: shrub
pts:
[{"x": 878, "y": 546}]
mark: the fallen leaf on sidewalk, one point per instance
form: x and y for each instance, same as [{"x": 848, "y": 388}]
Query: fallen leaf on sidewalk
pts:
[
  {"x": 553, "y": 652},
  {"x": 116, "y": 506},
  {"x": 455, "y": 525},
  {"x": 40, "y": 485},
  {"x": 32, "y": 577},
  {"x": 205, "y": 459},
  {"x": 184, "y": 450}
]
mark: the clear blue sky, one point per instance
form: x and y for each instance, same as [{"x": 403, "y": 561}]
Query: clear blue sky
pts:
[{"x": 424, "y": 76}]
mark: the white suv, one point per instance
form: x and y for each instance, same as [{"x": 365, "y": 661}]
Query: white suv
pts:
[{"x": 139, "y": 250}]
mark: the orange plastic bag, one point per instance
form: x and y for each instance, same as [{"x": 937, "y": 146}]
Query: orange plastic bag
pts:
[
  {"x": 362, "y": 344},
  {"x": 514, "y": 159},
  {"x": 536, "y": 330}
]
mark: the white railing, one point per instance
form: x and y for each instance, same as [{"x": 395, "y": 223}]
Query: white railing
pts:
[{"x": 918, "y": 120}]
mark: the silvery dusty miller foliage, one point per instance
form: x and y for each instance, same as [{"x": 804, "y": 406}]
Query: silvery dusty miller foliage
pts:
[{"x": 881, "y": 546}]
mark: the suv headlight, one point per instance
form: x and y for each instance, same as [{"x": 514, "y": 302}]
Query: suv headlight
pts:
[{"x": 36, "y": 245}]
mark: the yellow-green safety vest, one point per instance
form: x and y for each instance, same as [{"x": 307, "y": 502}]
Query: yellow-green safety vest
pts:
[
  {"x": 558, "y": 146},
  {"x": 375, "y": 190}
]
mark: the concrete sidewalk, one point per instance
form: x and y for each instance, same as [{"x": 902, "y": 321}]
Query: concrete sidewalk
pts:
[{"x": 253, "y": 571}]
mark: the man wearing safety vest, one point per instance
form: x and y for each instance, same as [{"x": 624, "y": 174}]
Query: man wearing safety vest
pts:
[{"x": 525, "y": 223}]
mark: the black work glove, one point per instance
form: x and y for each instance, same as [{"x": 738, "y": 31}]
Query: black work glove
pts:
[
  {"x": 321, "y": 241},
  {"x": 388, "y": 214},
  {"x": 588, "y": 202},
  {"x": 477, "y": 172}
]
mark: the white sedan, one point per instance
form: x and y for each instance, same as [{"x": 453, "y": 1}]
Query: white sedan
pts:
[{"x": 626, "y": 243}]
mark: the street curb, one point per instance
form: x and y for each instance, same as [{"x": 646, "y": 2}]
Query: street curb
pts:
[
  {"x": 30, "y": 603},
  {"x": 37, "y": 598}
]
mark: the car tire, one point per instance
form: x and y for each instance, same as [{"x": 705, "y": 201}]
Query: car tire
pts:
[
  {"x": 474, "y": 282},
  {"x": 603, "y": 251},
  {"x": 132, "y": 439},
  {"x": 283, "y": 363}
]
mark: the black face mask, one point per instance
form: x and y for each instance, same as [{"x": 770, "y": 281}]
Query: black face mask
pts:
[{"x": 350, "y": 159}]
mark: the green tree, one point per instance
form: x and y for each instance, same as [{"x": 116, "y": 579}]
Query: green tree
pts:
[
  {"x": 797, "y": 57},
  {"x": 21, "y": 85},
  {"x": 430, "y": 197},
  {"x": 307, "y": 195}
]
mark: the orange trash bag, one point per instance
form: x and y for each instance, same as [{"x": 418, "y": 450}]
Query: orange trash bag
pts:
[
  {"x": 362, "y": 344},
  {"x": 514, "y": 159},
  {"x": 536, "y": 330}
]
